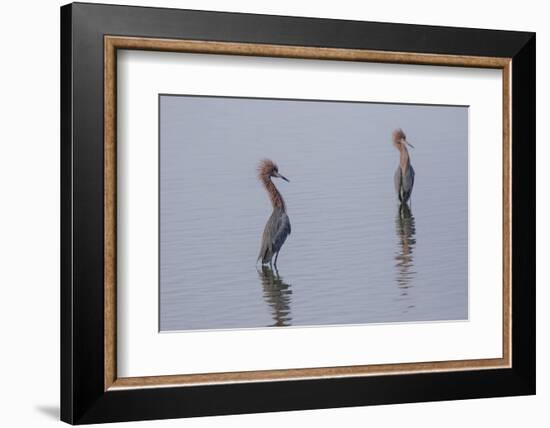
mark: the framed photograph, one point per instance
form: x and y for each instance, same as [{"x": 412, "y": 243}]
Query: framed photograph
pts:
[{"x": 265, "y": 213}]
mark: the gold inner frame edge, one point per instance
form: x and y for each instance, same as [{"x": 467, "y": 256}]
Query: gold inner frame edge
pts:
[{"x": 113, "y": 43}]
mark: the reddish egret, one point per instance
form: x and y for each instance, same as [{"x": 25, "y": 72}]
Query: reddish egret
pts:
[
  {"x": 404, "y": 175},
  {"x": 278, "y": 226}
]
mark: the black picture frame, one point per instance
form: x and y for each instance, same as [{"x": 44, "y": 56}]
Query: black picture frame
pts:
[{"x": 83, "y": 398}]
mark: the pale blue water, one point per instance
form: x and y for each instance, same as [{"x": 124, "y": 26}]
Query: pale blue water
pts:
[{"x": 352, "y": 257}]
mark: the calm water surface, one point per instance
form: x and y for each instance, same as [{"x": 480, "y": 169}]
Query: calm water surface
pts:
[{"x": 354, "y": 256}]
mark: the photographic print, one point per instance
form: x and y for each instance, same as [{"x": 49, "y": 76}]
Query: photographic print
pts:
[
  {"x": 297, "y": 199},
  {"x": 289, "y": 212}
]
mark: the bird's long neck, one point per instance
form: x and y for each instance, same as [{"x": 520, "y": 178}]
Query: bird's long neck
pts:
[
  {"x": 404, "y": 160},
  {"x": 275, "y": 197}
]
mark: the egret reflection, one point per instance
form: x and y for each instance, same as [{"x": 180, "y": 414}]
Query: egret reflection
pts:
[
  {"x": 404, "y": 256},
  {"x": 277, "y": 294}
]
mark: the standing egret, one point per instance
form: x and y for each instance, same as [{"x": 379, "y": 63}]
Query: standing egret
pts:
[
  {"x": 404, "y": 175},
  {"x": 278, "y": 226}
]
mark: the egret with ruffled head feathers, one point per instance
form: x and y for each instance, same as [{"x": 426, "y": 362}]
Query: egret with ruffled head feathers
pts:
[
  {"x": 277, "y": 228},
  {"x": 404, "y": 175}
]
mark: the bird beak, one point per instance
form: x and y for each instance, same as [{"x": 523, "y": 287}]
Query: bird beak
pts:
[
  {"x": 409, "y": 144},
  {"x": 283, "y": 177}
]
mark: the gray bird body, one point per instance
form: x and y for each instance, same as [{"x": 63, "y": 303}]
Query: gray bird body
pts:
[
  {"x": 275, "y": 233},
  {"x": 404, "y": 182}
]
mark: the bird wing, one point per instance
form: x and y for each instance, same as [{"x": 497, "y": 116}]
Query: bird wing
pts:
[
  {"x": 275, "y": 233},
  {"x": 408, "y": 182},
  {"x": 281, "y": 231}
]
